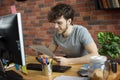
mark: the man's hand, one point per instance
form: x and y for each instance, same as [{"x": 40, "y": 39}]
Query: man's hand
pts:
[{"x": 62, "y": 60}]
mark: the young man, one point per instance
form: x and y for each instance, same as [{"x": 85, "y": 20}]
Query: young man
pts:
[{"x": 74, "y": 40}]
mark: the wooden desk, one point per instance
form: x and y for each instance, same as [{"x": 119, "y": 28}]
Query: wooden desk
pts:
[{"x": 37, "y": 75}]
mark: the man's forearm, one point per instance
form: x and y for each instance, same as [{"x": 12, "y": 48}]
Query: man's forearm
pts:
[{"x": 81, "y": 60}]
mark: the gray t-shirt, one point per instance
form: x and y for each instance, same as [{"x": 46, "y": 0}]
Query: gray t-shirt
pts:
[{"x": 73, "y": 45}]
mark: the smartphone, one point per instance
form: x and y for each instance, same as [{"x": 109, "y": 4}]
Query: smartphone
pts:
[{"x": 83, "y": 73}]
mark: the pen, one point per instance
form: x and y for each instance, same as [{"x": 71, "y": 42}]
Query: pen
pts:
[
  {"x": 50, "y": 62},
  {"x": 39, "y": 59},
  {"x": 43, "y": 59},
  {"x": 47, "y": 62}
]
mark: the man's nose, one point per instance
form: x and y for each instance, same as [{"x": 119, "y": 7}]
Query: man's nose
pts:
[{"x": 56, "y": 25}]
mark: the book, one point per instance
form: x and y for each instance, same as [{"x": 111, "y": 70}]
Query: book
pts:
[
  {"x": 109, "y": 4},
  {"x": 97, "y": 4},
  {"x": 100, "y": 4},
  {"x": 119, "y": 1},
  {"x": 105, "y": 4},
  {"x": 116, "y": 2}
]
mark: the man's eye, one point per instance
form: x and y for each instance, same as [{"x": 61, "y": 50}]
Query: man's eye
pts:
[{"x": 59, "y": 23}]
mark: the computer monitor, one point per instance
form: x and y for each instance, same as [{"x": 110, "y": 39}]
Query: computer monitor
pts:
[{"x": 11, "y": 40}]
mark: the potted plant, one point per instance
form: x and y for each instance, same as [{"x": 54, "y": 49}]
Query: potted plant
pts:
[{"x": 109, "y": 45}]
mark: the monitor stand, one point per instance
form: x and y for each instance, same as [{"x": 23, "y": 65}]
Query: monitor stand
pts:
[{"x": 8, "y": 75}]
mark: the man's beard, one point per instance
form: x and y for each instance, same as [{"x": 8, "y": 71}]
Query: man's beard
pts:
[{"x": 65, "y": 29}]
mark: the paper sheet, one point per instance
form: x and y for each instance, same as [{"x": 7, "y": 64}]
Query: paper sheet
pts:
[
  {"x": 43, "y": 49},
  {"x": 70, "y": 78}
]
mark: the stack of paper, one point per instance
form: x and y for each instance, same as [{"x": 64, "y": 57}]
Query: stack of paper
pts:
[{"x": 70, "y": 78}]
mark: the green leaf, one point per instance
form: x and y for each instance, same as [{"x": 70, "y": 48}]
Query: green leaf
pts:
[{"x": 109, "y": 44}]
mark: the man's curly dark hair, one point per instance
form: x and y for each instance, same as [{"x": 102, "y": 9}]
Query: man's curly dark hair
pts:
[{"x": 59, "y": 10}]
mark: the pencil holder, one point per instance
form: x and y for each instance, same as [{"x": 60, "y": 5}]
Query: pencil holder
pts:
[{"x": 47, "y": 69}]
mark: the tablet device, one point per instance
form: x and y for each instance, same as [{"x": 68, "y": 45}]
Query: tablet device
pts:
[{"x": 43, "y": 49}]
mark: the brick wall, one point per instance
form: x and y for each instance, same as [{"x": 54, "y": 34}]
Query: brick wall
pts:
[{"x": 37, "y": 30}]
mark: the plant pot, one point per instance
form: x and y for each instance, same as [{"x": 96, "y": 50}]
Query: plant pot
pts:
[{"x": 114, "y": 66}]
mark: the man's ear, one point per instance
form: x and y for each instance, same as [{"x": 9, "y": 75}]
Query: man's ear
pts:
[{"x": 69, "y": 21}]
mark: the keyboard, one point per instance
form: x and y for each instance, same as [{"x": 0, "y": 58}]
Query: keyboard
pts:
[
  {"x": 55, "y": 68},
  {"x": 58, "y": 68},
  {"x": 33, "y": 66}
]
